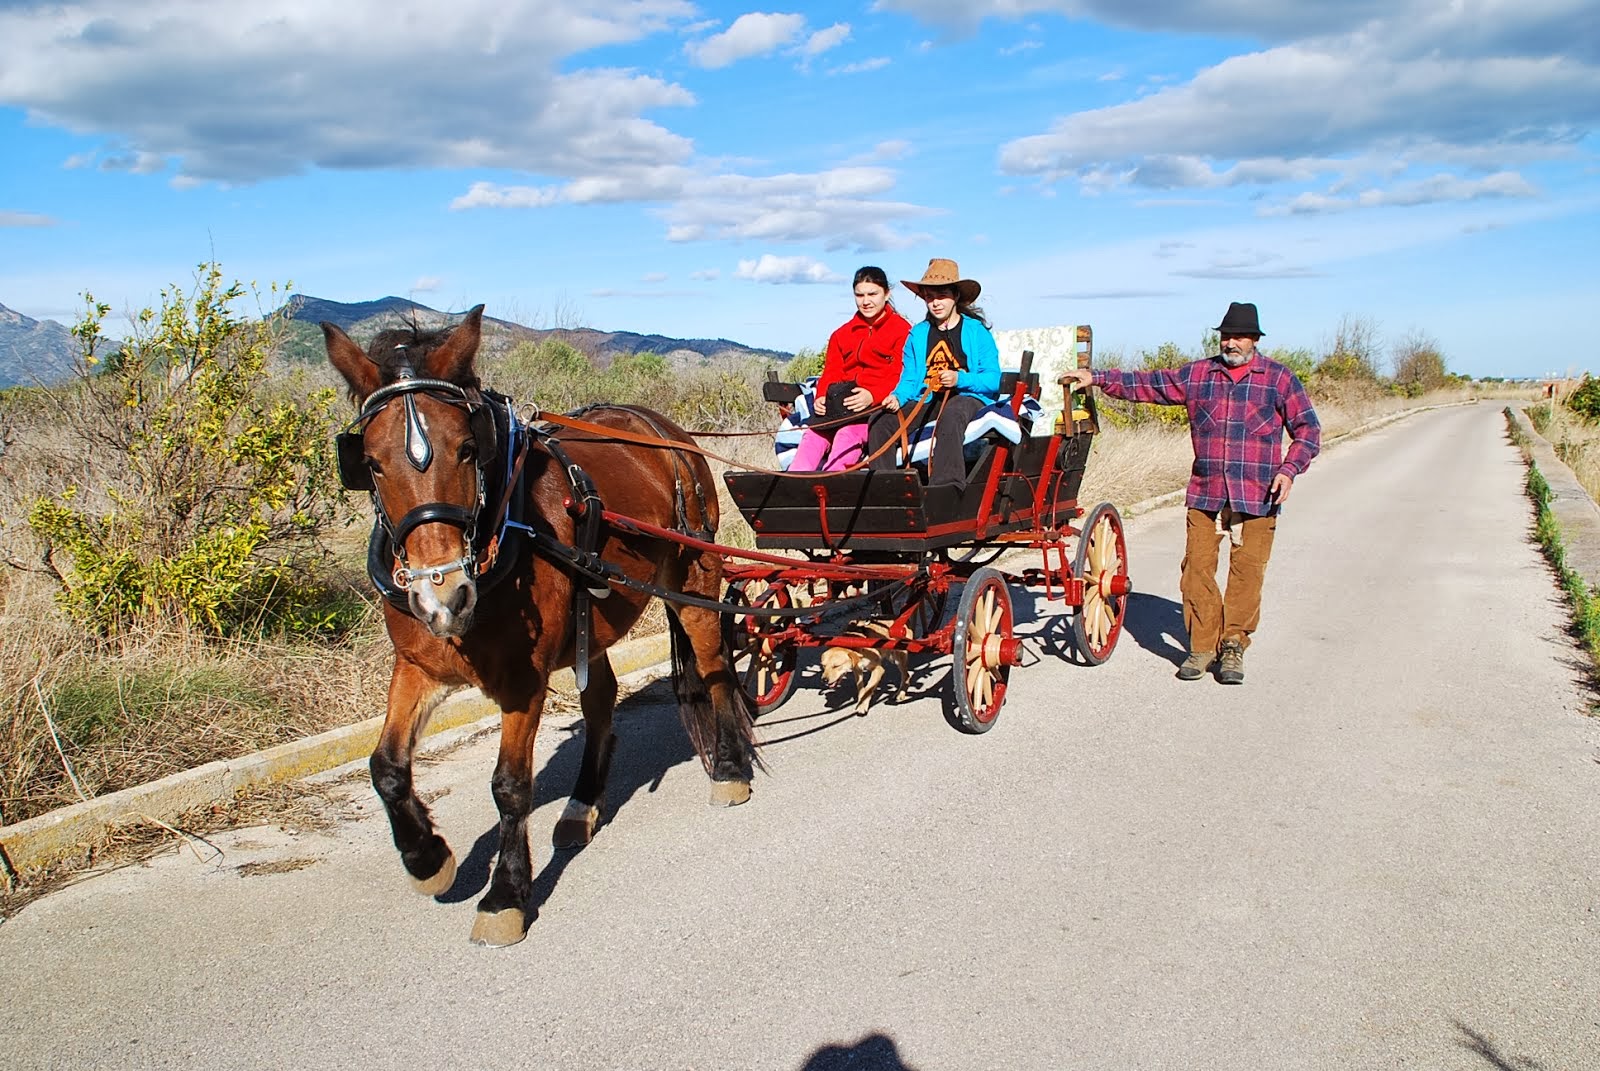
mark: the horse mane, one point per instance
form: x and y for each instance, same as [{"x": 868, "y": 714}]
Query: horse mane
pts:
[{"x": 398, "y": 351}]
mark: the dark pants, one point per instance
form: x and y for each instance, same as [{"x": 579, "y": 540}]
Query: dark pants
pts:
[{"x": 945, "y": 465}]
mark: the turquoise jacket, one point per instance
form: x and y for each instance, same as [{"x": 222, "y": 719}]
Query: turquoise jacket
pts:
[{"x": 981, "y": 379}]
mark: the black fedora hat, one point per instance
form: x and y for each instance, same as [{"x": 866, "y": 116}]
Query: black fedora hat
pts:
[{"x": 1241, "y": 320}]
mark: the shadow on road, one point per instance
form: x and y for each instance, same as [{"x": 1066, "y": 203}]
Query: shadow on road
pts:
[
  {"x": 1480, "y": 1045},
  {"x": 875, "y": 1052},
  {"x": 1156, "y": 624},
  {"x": 650, "y": 741}
]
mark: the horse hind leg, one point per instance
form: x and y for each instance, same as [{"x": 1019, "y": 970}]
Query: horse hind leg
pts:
[
  {"x": 714, "y": 710},
  {"x": 426, "y": 856},
  {"x": 585, "y": 809}
]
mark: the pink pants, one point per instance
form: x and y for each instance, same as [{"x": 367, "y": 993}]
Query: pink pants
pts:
[{"x": 846, "y": 446}]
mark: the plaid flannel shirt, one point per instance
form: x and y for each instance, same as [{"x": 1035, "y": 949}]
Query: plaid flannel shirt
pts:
[{"x": 1237, "y": 428}]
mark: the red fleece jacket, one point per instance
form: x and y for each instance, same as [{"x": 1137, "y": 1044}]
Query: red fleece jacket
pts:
[{"x": 867, "y": 352}]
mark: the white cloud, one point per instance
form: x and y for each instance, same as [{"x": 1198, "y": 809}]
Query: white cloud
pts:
[
  {"x": 824, "y": 40},
  {"x": 774, "y": 269},
  {"x": 491, "y": 195},
  {"x": 242, "y": 94},
  {"x": 705, "y": 275},
  {"x": 427, "y": 284},
  {"x": 1259, "y": 19},
  {"x": 1383, "y": 99},
  {"x": 755, "y": 34},
  {"x": 25, "y": 219},
  {"x": 876, "y": 63},
  {"x": 1435, "y": 189},
  {"x": 839, "y": 207},
  {"x": 654, "y": 277}
]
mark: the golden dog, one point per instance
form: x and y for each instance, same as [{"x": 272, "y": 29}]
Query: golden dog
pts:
[{"x": 867, "y": 664}]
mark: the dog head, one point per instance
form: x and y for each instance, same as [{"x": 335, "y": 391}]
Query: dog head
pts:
[{"x": 835, "y": 664}]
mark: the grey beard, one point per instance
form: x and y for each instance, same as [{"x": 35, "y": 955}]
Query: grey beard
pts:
[{"x": 1234, "y": 360}]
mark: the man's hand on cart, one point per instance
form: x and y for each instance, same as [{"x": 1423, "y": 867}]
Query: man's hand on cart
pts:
[{"x": 1076, "y": 378}]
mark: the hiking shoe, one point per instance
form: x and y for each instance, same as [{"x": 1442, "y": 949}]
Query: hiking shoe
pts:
[
  {"x": 1231, "y": 669},
  {"x": 1194, "y": 667}
]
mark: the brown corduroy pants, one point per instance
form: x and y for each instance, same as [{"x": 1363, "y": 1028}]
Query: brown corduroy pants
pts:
[{"x": 1210, "y": 616}]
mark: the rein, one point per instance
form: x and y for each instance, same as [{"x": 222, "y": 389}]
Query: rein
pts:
[{"x": 907, "y": 419}]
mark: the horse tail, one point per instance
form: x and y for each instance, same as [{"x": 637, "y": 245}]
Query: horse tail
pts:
[{"x": 723, "y": 738}]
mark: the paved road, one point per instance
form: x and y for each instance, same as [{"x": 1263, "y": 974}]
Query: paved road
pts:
[{"x": 1380, "y": 852}]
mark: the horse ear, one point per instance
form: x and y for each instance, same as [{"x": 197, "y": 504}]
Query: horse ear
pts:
[
  {"x": 351, "y": 361},
  {"x": 452, "y": 361}
]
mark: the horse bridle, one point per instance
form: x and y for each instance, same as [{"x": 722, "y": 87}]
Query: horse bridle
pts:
[{"x": 356, "y": 475}]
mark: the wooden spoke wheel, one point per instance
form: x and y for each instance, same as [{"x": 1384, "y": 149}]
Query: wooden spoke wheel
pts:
[
  {"x": 982, "y": 651},
  {"x": 1102, "y": 565},
  {"x": 765, "y": 670}
]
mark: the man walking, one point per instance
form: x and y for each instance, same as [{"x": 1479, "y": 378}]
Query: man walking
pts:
[{"x": 1240, "y": 403}]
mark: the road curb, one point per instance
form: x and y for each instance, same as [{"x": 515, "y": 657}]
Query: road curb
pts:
[
  {"x": 1575, "y": 512},
  {"x": 73, "y": 832}
]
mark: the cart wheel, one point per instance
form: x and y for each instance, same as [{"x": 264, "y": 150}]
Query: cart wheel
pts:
[
  {"x": 1102, "y": 564},
  {"x": 979, "y": 659},
  {"x": 765, "y": 671}
]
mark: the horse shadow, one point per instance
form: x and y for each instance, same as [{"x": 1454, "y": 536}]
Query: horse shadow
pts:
[{"x": 650, "y": 741}]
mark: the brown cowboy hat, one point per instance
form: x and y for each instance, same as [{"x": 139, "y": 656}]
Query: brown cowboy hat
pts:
[{"x": 942, "y": 272}]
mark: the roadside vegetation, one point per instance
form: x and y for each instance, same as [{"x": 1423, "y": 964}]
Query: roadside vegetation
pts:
[
  {"x": 184, "y": 580},
  {"x": 1582, "y": 599}
]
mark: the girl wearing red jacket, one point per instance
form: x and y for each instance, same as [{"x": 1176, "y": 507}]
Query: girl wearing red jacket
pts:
[{"x": 865, "y": 352}]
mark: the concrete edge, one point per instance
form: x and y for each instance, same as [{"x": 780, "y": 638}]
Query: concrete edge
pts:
[
  {"x": 71, "y": 832},
  {"x": 1575, "y": 511}
]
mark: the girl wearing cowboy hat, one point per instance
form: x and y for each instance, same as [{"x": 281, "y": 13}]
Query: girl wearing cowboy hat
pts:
[
  {"x": 859, "y": 369},
  {"x": 951, "y": 358}
]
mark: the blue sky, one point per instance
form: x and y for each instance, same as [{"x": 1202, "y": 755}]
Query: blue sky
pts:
[{"x": 712, "y": 169}]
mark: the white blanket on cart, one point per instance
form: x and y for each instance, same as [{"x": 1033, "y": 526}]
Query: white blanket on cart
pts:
[{"x": 999, "y": 418}]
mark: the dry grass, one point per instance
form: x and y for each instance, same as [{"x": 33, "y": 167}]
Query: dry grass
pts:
[
  {"x": 299, "y": 807},
  {"x": 1576, "y": 442},
  {"x": 118, "y": 713}
]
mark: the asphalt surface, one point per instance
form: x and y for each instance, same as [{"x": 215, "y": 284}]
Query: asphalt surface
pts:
[{"x": 1380, "y": 852}]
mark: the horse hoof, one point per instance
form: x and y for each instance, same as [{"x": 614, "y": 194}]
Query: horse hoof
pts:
[
  {"x": 729, "y": 793},
  {"x": 576, "y": 826},
  {"x": 496, "y": 929},
  {"x": 440, "y": 882}
]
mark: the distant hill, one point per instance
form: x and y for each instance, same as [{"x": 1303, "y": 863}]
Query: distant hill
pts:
[
  {"x": 44, "y": 351},
  {"x": 33, "y": 351},
  {"x": 363, "y": 319}
]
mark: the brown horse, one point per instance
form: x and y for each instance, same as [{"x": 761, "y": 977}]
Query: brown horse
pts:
[{"x": 472, "y": 601}]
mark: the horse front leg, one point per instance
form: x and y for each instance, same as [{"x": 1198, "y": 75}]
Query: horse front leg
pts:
[
  {"x": 502, "y": 917},
  {"x": 413, "y": 695},
  {"x": 585, "y": 809}
]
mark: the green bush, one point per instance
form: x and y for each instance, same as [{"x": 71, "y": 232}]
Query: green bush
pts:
[
  {"x": 1585, "y": 401},
  {"x": 802, "y": 366},
  {"x": 197, "y": 487}
]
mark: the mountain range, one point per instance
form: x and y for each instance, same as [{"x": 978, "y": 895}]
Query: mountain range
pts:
[
  {"x": 43, "y": 351},
  {"x": 365, "y": 318},
  {"x": 33, "y": 351}
]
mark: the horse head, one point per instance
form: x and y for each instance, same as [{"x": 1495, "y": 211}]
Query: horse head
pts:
[{"x": 420, "y": 444}]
